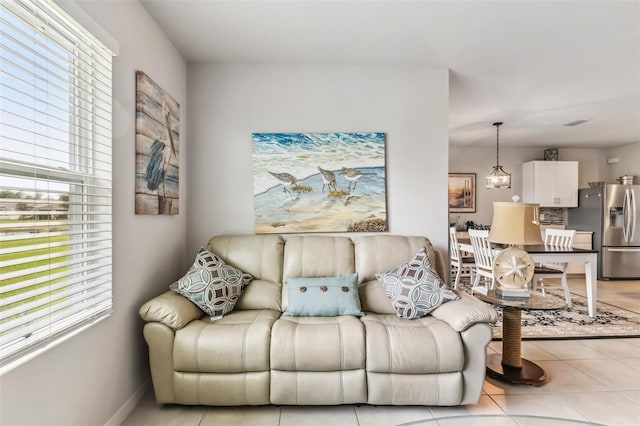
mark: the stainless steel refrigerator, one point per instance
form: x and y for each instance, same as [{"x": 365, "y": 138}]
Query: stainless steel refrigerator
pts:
[{"x": 610, "y": 212}]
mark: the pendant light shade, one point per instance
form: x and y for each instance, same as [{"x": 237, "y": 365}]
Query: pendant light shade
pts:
[{"x": 498, "y": 178}]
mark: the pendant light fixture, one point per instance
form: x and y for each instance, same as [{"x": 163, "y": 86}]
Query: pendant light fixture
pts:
[{"x": 498, "y": 178}]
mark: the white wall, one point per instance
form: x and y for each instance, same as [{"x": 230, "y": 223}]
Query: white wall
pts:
[
  {"x": 592, "y": 163},
  {"x": 85, "y": 380},
  {"x": 629, "y": 164},
  {"x": 229, "y": 102},
  {"x": 480, "y": 160}
]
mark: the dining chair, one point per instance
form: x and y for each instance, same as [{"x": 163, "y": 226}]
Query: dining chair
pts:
[
  {"x": 483, "y": 255},
  {"x": 560, "y": 238},
  {"x": 462, "y": 265}
]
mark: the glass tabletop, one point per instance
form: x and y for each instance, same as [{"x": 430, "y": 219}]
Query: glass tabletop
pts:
[{"x": 535, "y": 301}]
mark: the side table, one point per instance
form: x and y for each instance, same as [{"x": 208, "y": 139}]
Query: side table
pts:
[{"x": 510, "y": 366}]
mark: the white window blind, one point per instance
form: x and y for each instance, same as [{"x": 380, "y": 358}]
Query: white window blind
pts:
[{"x": 55, "y": 177}]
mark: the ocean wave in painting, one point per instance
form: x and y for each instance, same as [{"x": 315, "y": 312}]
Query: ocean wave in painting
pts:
[{"x": 300, "y": 154}]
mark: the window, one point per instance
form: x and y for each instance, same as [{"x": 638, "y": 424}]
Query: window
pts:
[{"x": 55, "y": 178}]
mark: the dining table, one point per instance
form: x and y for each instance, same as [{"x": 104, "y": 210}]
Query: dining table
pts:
[{"x": 542, "y": 253}]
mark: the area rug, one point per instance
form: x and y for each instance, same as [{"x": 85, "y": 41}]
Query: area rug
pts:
[{"x": 574, "y": 322}]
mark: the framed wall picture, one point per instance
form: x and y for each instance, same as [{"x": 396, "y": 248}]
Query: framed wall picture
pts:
[
  {"x": 319, "y": 182},
  {"x": 157, "y": 149},
  {"x": 462, "y": 192}
]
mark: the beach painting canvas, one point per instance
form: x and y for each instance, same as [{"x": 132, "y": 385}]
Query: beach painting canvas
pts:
[
  {"x": 319, "y": 182},
  {"x": 462, "y": 192},
  {"x": 157, "y": 149}
]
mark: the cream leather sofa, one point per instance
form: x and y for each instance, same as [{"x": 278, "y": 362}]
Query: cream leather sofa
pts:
[{"x": 255, "y": 356}]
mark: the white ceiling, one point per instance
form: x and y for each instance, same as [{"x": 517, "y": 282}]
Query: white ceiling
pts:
[{"x": 535, "y": 65}]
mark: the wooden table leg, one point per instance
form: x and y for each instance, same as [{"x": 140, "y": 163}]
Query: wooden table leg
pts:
[{"x": 510, "y": 366}]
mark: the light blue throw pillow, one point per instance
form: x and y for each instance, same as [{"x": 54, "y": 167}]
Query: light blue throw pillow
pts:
[{"x": 323, "y": 297}]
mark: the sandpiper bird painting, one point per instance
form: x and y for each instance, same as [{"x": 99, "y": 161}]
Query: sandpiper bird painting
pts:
[
  {"x": 328, "y": 178},
  {"x": 319, "y": 173},
  {"x": 352, "y": 175},
  {"x": 286, "y": 179}
]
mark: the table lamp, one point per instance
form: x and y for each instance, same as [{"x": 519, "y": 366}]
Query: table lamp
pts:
[{"x": 515, "y": 224}]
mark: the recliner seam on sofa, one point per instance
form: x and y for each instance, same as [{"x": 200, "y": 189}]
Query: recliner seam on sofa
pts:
[
  {"x": 339, "y": 326},
  {"x": 244, "y": 346},
  {"x": 293, "y": 347},
  {"x": 335, "y": 257},
  {"x": 390, "y": 358},
  {"x": 438, "y": 366},
  {"x": 244, "y": 383},
  {"x": 196, "y": 342},
  {"x": 342, "y": 366},
  {"x": 261, "y": 276},
  {"x": 389, "y": 351},
  {"x": 302, "y": 267}
]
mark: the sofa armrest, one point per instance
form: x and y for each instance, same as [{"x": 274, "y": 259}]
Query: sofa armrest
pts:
[
  {"x": 170, "y": 309},
  {"x": 462, "y": 313}
]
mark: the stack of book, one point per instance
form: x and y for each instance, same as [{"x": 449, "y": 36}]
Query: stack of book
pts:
[{"x": 513, "y": 293}]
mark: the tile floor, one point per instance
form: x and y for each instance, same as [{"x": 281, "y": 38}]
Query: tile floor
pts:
[{"x": 596, "y": 380}]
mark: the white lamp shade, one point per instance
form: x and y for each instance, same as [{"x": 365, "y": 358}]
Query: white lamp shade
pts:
[{"x": 515, "y": 223}]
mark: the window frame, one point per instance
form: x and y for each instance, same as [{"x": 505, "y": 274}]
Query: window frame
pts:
[{"x": 89, "y": 143}]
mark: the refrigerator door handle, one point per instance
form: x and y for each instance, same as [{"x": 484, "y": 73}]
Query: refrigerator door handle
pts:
[
  {"x": 633, "y": 218},
  {"x": 625, "y": 216},
  {"x": 624, "y": 249}
]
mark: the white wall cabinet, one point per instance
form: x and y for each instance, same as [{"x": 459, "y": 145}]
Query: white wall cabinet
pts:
[{"x": 550, "y": 183}]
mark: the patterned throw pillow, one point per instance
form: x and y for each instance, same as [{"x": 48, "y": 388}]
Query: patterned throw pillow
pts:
[
  {"x": 212, "y": 285},
  {"x": 414, "y": 288}
]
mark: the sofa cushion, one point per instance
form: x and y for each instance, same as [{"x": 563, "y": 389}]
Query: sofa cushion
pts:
[
  {"x": 416, "y": 389},
  {"x": 380, "y": 253},
  {"x": 237, "y": 343},
  {"x": 422, "y": 346},
  {"x": 315, "y": 256},
  {"x": 323, "y": 297},
  {"x": 225, "y": 389},
  {"x": 414, "y": 288},
  {"x": 211, "y": 284},
  {"x": 317, "y": 344},
  {"x": 260, "y": 256},
  {"x": 319, "y": 388}
]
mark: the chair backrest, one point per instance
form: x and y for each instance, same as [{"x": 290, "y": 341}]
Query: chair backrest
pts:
[
  {"x": 559, "y": 237},
  {"x": 481, "y": 248},
  {"x": 454, "y": 248}
]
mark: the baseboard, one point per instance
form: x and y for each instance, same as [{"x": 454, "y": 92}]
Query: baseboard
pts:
[{"x": 129, "y": 405}]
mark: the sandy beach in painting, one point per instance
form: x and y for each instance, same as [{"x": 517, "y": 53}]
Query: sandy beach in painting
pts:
[
  {"x": 318, "y": 211},
  {"x": 305, "y": 206}
]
